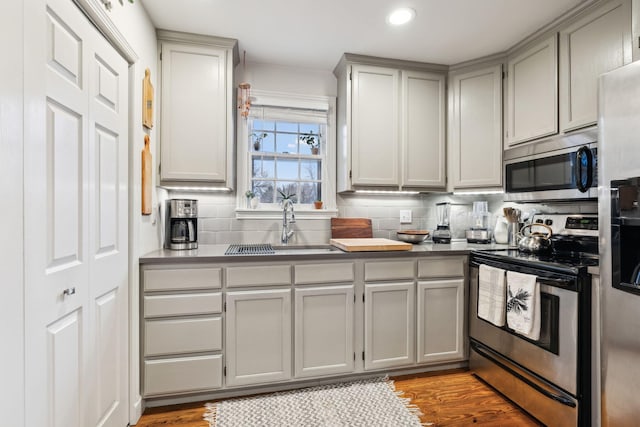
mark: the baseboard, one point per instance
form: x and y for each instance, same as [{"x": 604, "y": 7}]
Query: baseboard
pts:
[{"x": 136, "y": 411}]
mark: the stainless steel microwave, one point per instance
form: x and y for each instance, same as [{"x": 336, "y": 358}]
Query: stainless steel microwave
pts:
[{"x": 557, "y": 170}]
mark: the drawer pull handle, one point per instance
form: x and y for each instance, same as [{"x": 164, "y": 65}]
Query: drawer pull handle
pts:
[{"x": 68, "y": 292}]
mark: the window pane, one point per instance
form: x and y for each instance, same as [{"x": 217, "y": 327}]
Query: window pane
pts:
[
  {"x": 263, "y": 167},
  {"x": 264, "y": 191},
  {"x": 310, "y": 169},
  {"x": 263, "y": 125},
  {"x": 310, "y": 128},
  {"x": 309, "y": 192},
  {"x": 286, "y": 143},
  {"x": 266, "y": 144},
  {"x": 286, "y": 127},
  {"x": 288, "y": 188},
  {"x": 287, "y": 169}
]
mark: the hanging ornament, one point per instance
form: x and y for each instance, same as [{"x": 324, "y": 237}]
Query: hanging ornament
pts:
[{"x": 244, "y": 99}]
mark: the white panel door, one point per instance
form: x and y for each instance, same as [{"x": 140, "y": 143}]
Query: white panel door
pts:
[
  {"x": 324, "y": 325},
  {"x": 532, "y": 93},
  {"x": 108, "y": 245},
  {"x": 440, "y": 320},
  {"x": 374, "y": 126},
  {"x": 594, "y": 45},
  {"x": 476, "y": 128},
  {"x": 258, "y": 336},
  {"x": 423, "y": 130},
  {"x": 194, "y": 113},
  {"x": 389, "y": 333},
  {"x": 76, "y": 329}
]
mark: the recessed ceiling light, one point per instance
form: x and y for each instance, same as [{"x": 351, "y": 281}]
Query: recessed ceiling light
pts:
[{"x": 401, "y": 16}]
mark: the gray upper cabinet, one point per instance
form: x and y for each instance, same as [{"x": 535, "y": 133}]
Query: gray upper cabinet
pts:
[
  {"x": 196, "y": 109},
  {"x": 532, "y": 92},
  {"x": 590, "y": 46},
  {"x": 475, "y": 136},
  {"x": 391, "y": 124}
]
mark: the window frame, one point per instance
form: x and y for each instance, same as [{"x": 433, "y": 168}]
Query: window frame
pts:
[{"x": 267, "y": 99}]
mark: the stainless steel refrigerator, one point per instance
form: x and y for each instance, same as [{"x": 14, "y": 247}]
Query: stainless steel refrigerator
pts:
[{"x": 619, "y": 184}]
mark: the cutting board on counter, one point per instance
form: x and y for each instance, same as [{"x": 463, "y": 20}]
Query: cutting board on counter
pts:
[
  {"x": 351, "y": 228},
  {"x": 370, "y": 245}
]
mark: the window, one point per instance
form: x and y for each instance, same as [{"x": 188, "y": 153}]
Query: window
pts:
[
  {"x": 287, "y": 147},
  {"x": 282, "y": 163}
]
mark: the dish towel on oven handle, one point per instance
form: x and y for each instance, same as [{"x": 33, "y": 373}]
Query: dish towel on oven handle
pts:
[
  {"x": 523, "y": 304},
  {"x": 492, "y": 295}
]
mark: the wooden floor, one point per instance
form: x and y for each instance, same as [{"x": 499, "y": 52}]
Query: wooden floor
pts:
[{"x": 453, "y": 398}]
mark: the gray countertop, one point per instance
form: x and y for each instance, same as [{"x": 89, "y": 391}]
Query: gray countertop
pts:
[{"x": 215, "y": 253}]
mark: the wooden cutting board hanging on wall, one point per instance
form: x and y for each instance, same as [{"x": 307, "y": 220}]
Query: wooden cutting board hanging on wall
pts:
[{"x": 146, "y": 177}]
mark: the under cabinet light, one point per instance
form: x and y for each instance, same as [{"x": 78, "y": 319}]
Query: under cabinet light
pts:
[
  {"x": 187, "y": 188},
  {"x": 392, "y": 192},
  {"x": 476, "y": 192}
]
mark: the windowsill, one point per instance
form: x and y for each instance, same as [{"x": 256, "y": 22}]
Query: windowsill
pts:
[{"x": 277, "y": 213}]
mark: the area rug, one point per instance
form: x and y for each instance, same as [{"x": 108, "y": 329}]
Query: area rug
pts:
[{"x": 370, "y": 403}]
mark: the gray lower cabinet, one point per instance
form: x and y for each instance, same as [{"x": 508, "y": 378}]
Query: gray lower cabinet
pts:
[
  {"x": 181, "y": 330},
  {"x": 258, "y": 336},
  {"x": 207, "y": 327},
  {"x": 389, "y": 324},
  {"x": 324, "y": 326}
]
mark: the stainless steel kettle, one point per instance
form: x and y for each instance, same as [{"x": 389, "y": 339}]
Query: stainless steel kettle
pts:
[{"x": 535, "y": 242}]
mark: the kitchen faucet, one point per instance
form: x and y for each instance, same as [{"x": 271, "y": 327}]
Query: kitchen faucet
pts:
[{"x": 287, "y": 205}]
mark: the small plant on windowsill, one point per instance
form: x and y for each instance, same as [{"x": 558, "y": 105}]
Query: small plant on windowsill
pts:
[
  {"x": 312, "y": 140},
  {"x": 252, "y": 200},
  {"x": 317, "y": 204},
  {"x": 257, "y": 139},
  {"x": 284, "y": 196}
]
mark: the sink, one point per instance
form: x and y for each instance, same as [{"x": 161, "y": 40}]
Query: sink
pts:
[
  {"x": 268, "y": 249},
  {"x": 305, "y": 249}
]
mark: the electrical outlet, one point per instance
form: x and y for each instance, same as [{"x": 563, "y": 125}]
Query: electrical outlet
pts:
[{"x": 405, "y": 217}]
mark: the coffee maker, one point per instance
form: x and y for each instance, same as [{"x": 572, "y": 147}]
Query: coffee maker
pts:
[
  {"x": 479, "y": 231},
  {"x": 442, "y": 233},
  {"x": 181, "y": 224}
]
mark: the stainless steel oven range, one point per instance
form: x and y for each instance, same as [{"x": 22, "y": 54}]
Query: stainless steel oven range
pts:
[{"x": 549, "y": 377}]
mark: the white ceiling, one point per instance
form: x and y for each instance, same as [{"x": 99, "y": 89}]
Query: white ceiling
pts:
[{"x": 315, "y": 33}]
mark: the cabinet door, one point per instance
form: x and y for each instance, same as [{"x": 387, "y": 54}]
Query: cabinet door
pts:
[
  {"x": 476, "y": 128},
  {"x": 374, "y": 126},
  {"x": 389, "y": 325},
  {"x": 258, "y": 336},
  {"x": 532, "y": 94},
  {"x": 423, "y": 129},
  {"x": 596, "y": 44},
  {"x": 194, "y": 112},
  {"x": 324, "y": 330},
  {"x": 440, "y": 320}
]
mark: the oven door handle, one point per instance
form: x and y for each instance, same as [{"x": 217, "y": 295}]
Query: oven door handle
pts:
[
  {"x": 557, "y": 397},
  {"x": 561, "y": 283}
]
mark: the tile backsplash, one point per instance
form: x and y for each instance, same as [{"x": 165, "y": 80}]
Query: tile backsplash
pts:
[{"x": 217, "y": 223}]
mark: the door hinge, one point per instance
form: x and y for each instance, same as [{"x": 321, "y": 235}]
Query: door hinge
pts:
[
  {"x": 363, "y": 355},
  {"x": 349, "y": 75},
  {"x": 160, "y": 56},
  {"x": 354, "y": 298},
  {"x": 362, "y": 297},
  {"x": 350, "y": 174},
  {"x": 354, "y": 356},
  {"x": 224, "y": 307},
  {"x": 224, "y": 371}
]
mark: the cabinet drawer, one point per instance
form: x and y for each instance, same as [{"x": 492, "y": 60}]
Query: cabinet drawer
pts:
[
  {"x": 182, "y": 374},
  {"x": 175, "y": 336},
  {"x": 170, "y": 279},
  {"x": 323, "y": 273},
  {"x": 385, "y": 270},
  {"x": 442, "y": 267},
  {"x": 182, "y": 304},
  {"x": 259, "y": 275}
]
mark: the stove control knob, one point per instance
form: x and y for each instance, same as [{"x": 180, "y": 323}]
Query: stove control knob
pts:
[
  {"x": 548, "y": 222},
  {"x": 539, "y": 221}
]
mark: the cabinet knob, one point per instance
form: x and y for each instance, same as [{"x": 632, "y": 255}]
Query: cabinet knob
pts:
[{"x": 68, "y": 292}]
